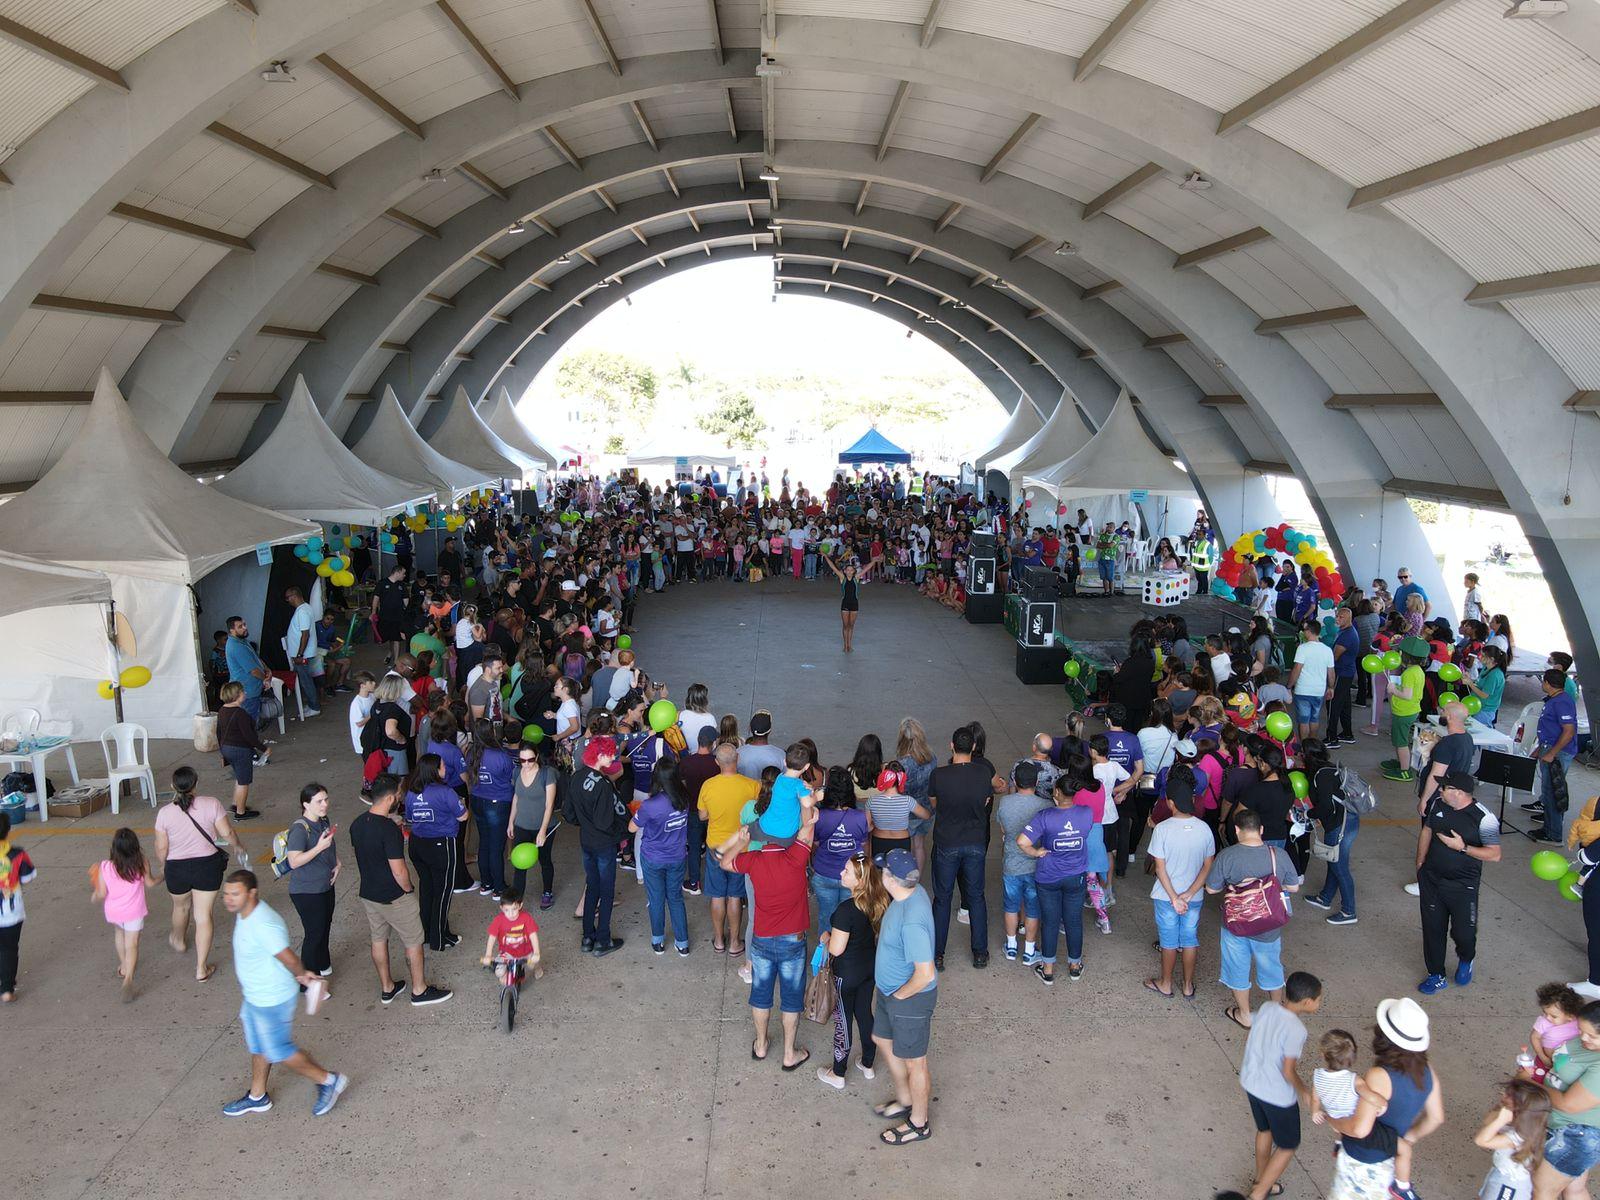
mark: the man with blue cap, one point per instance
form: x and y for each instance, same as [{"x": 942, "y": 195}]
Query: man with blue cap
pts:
[{"x": 908, "y": 987}]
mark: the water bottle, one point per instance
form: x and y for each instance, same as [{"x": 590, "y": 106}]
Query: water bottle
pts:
[{"x": 1525, "y": 1060}]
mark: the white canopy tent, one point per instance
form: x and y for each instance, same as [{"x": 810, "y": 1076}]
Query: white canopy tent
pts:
[
  {"x": 392, "y": 444},
  {"x": 31, "y": 583},
  {"x": 1023, "y": 423},
  {"x": 1121, "y": 457},
  {"x": 1062, "y": 436},
  {"x": 667, "y": 446},
  {"x": 304, "y": 470},
  {"x": 464, "y": 437},
  {"x": 115, "y": 503},
  {"x": 502, "y": 418}
]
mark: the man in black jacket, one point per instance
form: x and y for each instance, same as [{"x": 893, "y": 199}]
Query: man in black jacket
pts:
[{"x": 595, "y": 806}]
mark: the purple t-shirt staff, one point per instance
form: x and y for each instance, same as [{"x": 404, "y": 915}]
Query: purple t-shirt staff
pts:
[
  {"x": 1063, "y": 833},
  {"x": 1124, "y": 748},
  {"x": 663, "y": 831},
  {"x": 840, "y": 833}
]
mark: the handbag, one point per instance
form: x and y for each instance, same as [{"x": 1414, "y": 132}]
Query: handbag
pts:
[
  {"x": 1256, "y": 906},
  {"x": 210, "y": 837},
  {"x": 820, "y": 994}
]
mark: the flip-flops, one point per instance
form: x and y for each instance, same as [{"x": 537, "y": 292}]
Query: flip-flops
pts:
[
  {"x": 754, "y": 1055},
  {"x": 1151, "y": 986},
  {"x": 1232, "y": 1013},
  {"x": 805, "y": 1057}
]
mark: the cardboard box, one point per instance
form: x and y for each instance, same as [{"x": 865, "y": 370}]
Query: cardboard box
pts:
[{"x": 80, "y": 801}]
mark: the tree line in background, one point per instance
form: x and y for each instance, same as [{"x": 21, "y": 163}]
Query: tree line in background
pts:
[{"x": 751, "y": 410}]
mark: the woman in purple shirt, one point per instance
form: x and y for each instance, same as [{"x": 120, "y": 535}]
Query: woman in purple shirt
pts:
[
  {"x": 1059, "y": 838},
  {"x": 491, "y": 767},
  {"x": 842, "y": 830},
  {"x": 662, "y": 826}
]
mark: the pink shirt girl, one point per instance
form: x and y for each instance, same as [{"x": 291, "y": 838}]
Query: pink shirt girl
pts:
[{"x": 125, "y": 903}]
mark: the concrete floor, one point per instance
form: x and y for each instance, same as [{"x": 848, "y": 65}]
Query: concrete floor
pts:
[{"x": 632, "y": 1073}]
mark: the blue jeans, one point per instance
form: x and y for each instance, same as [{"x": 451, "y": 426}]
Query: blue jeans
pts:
[
  {"x": 600, "y": 876},
  {"x": 830, "y": 893},
  {"x": 308, "y": 682},
  {"x": 967, "y": 863},
  {"x": 1339, "y": 875},
  {"x": 1061, "y": 902},
  {"x": 492, "y": 819},
  {"x": 781, "y": 960},
  {"x": 811, "y": 564},
  {"x": 1021, "y": 895},
  {"x": 663, "y": 890},
  {"x": 1554, "y": 818}
]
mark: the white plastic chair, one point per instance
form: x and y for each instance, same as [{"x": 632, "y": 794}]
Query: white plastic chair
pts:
[
  {"x": 130, "y": 762},
  {"x": 275, "y": 686},
  {"x": 20, "y": 723},
  {"x": 299, "y": 700}
]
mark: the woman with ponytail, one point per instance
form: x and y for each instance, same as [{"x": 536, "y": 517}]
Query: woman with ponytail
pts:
[{"x": 190, "y": 834}]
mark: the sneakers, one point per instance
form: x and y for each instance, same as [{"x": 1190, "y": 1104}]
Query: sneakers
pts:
[
  {"x": 430, "y": 995},
  {"x": 1343, "y": 918},
  {"x": 388, "y": 997},
  {"x": 826, "y": 1075},
  {"x": 601, "y": 950},
  {"x": 1103, "y": 924},
  {"x": 1400, "y": 775},
  {"x": 964, "y": 917},
  {"x": 312, "y": 712},
  {"x": 485, "y": 890},
  {"x": 1413, "y": 889},
  {"x": 465, "y": 886},
  {"x": 1464, "y": 973},
  {"x": 1586, "y": 989},
  {"x": 1318, "y": 902},
  {"x": 247, "y": 1104},
  {"x": 980, "y": 959},
  {"x": 1532, "y": 806},
  {"x": 587, "y": 946},
  {"x": 866, "y": 1071},
  {"x": 1403, "y": 1193},
  {"x": 691, "y": 889},
  {"x": 683, "y": 950},
  {"x": 326, "y": 973},
  {"x": 328, "y": 1094},
  {"x": 1074, "y": 971},
  {"x": 546, "y": 899},
  {"x": 1433, "y": 985},
  {"x": 1011, "y": 953},
  {"x": 451, "y": 942},
  {"x": 1030, "y": 958},
  {"x": 658, "y": 947},
  {"x": 1049, "y": 980},
  {"x": 249, "y": 814}
]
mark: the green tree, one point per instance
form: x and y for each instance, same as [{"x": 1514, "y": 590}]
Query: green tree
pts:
[
  {"x": 622, "y": 386},
  {"x": 735, "y": 420}
]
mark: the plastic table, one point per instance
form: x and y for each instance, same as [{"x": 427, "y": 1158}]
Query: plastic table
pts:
[{"x": 35, "y": 750}]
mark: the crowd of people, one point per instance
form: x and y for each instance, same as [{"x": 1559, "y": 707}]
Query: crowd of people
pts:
[{"x": 511, "y": 704}]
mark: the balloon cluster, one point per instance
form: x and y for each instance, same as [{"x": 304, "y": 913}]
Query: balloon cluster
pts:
[
  {"x": 1280, "y": 539},
  {"x": 131, "y": 677},
  {"x": 1554, "y": 868}
]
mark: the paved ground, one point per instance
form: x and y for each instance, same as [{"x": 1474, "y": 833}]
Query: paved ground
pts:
[{"x": 632, "y": 1073}]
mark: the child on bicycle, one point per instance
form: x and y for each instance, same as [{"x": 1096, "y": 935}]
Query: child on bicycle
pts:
[{"x": 513, "y": 938}]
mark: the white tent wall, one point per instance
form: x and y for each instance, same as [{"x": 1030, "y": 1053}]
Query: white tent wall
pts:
[{"x": 58, "y": 657}]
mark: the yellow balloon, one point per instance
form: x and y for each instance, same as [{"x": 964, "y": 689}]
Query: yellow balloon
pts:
[
  {"x": 344, "y": 579},
  {"x": 325, "y": 568},
  {"x": 105, "y": 690},
  {"x": 135, "y": 677}
]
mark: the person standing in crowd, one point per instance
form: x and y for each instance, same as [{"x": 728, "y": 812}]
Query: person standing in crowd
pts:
[
  {"x": 1402, "y": 594},
  {"x": 16, "y": 871},
  {"x": 1249, "y": 862},
  {"x": 245, "y": 667},
  {"x": 842, "y": 831},
  {"x": 240, "y": 745},
  {"x": 758, "y": 752},
  {"x": 778, "y": 941},
  {"x": 387, "y": 895},
  {"x": 593, "y": 804},
  {"x": 1270, "y": 1077},
  {"x": 301, "y": 644},
  {"x": 1558, "y": 744},
  {"x": 662, "y": 826},
  {"x": 1340, "y": 728},
  {"x": 1459, "y": 835},
  {"x": 533, "y": 815},
  {"x": 722, "y": 798},
  {"x": 1312, "y": 679},
  {"x": 917, "y": 761},
  {"x": 961, "y": 795},
  {"x": 1340, "y": 824},
  {"x": 1017, "y": 869},
  {"x": 907, "y": 985},
  {"x": 189, "y": 834},
  {"x": 388, "y": 613},
  {"x": 1059, "y": 838},
  {"x": 694, "y": 769},
  {"x": 270, "y": 976},
  {"x": 491, "y": 769},
  {"x": 313, "y": 858},
  {"x": 852, "y": 943},
  {"x": 1405, "y": 705},
  {"x": 436, "y": 814},
  {"x": 1182, "y": 848},
  {"x": 120, "y": 881}
]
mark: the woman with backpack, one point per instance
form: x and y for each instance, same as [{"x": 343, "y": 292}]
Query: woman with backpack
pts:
[
  {"x": 313, "y": 860},
  {"x": 1340, "y": 823},
  {"x": 187, "y": 835}
]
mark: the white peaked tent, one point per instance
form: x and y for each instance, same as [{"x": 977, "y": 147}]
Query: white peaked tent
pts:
[
  {"x": 115, "y": 503},
  {"x": 304, "y": 470},
  {"x": 503, "y": 419},
  {"x": 1023, "y": 423},
  {"x": 1121, "y": 457},
  {"x": 1062, "y": 436},
  {"x": 665, "y": 447},
  {"x": 392, "y": 443},
  {"x": 30, "y": 583},
  {"x": 463, "y": 436}
]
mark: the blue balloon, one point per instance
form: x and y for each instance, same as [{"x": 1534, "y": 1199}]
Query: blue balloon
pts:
[
  {"x": 1221, "y": 590},
  {"x": 301, "y": 552},
  {"x": 314, "y": 557},
  {"x": 1327, "y": 604}
]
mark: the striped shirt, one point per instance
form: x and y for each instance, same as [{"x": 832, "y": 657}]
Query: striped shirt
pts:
[{"x": 890, "y": 812}]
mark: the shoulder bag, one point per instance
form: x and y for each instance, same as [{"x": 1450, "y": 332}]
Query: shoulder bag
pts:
[
  {"x": 1256, "y": 906},
  {"x": 821, "y": 996}
]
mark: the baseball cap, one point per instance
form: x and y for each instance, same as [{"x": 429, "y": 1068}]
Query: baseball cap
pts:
[
  {"x": 902, "y": 864},
  {"x": 549, "y": 553},
  {"x": 1460, "y": 780},
  {"x": 568, "y": 585},
  {"x": 707, "y": 736},
  {"x": 1186, "y": 748},
  {"x": 761, "y": 724}
]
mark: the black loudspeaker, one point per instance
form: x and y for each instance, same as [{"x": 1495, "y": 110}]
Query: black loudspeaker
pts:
[
  {"x": 1038, "y": 623},
  {"x": 980, "y": 575},
  {"x": 989, "y": 609},
  {"x": 1041, "y": 664}
]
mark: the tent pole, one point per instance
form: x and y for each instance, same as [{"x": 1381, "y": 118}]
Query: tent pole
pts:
[{"x": 116, "y": 658}]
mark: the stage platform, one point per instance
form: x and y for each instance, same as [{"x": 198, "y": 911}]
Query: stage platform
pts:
[{"x": 1098, "y": 625}]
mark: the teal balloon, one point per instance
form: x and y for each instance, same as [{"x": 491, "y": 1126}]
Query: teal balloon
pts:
[
  {"x": 301, "y": 552},
  {"x": 1548, "y": 865},
  {"x": 355, "y": 543},
  {"x": 314, "y": 557},
  {"x": 333, "y": 529},
  {"x": 1280, "y": 725}
]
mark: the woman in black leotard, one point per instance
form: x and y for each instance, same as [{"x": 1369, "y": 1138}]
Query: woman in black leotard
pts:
[{"x": 850, "y": 600}]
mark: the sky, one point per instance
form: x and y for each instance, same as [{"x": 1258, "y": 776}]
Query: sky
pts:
[{"x": 722, "y": 316}]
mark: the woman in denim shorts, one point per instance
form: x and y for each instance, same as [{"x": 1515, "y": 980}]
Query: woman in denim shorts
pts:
[{"x": 1572, "y": 1146}]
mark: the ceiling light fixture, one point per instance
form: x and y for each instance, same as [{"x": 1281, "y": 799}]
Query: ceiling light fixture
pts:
[
  {"x": 1066, "y": 248},
  {"x": 1535, "y": 8},
  {"x": 435, "y": 176},
  {"x": 278, "y": 72},
  {"x": 231, "y": 356},
  {"x": 768, "y": 68},
  {"x": 517, "y": 227},
  {"x": 1195, "y": 182},
  {"x": 564, "y": 259},
  {"x": 768, "y": 175},
  {"x": 1000, "y": 285}
]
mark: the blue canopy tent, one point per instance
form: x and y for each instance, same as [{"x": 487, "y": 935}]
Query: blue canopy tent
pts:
[{"x": 873, "y": 447}]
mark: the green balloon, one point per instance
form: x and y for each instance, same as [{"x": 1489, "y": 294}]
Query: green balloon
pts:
[
  {"x": 1298, "y": 784},
  {"x": 472, "y": 581},
  {"x": 1392, "y": 660},
  {"x": 524, "y": 855},
  {"x": 1569, "y": 891},
  {"x": 1448, "y": 698},
  {"x": 1474, "y": 705},
  {"x": 1073, "y": 668},
  {"x": 1091, "y": 554},
  {"x": 663, "y": 715},
  {"x": 1571, "y": 877},
  {"x": 1449, "y": 673},
  {"x": 1548, "y": 865},
  {"x": 1372, "y": 664},
  {"x": 1280, "y": 725},
  {"x": 532, "y": 734},
  {"x": 624, "y": 642}
]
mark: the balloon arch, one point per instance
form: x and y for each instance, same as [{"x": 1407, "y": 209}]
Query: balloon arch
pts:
[{"x": 1280, "y": 539}]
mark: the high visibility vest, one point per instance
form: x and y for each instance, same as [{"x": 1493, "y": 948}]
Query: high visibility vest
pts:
[{"x": 1200, "y": 554}]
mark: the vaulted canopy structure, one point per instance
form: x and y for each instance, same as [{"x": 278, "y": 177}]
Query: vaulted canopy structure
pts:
[{"x": 1355, "y": 241}]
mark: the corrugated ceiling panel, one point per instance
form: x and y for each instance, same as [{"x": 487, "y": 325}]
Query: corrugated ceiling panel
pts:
[
  {"x": 740, "y": 20},
  {"x": 908, "y": 11},
  {"x": 659, "y": 27},
  {"x": 517, "y": 160},
  {"x": 135, "y": 264},
  {"x": 1392, "y": 366},
  {"x": 313, "y": 301},
  {"x": 986, "y": 224},
  {"x": 1199, "y": 367},
  {"x": 530, "y": 41},
  {"x": 408, "y": 322},
  {"x": 1176, "y": 218},
  {"x": 34, "y": 436},
  {"x": 636, "y": 186},
  {"x": 1362, "y": 359},
  {"x": 1052, "y": 159},
  {"x": 315, "y": 120},
  {"x": 459, "y": 276},
  {"x": 1065, "y": 27},
  {"x": 34, "y": 90},
  {"x": 216, "y": 181},
  {"x": 61, "y": 352},
  {"x": 436, "y": 203},
  {"x": 1250, "y": 433},
  {"x": 375, "y": 245},
  {"x": 822, "y": 105},
  {"x": 1334, "y": 363},
  {"x": 1140, "y": 313},
  {"x": 219, "y": 434},
  {"x": 1272, "y": 281},
  {"x": 1462, "y": 78},
  {"x": 420, "y": 64},
  {"x": 1424, "y": 444},
  {"x": 1568, "y": 326},
  {"x": 599, "y": 130},
  {"x": 371, "y": 367},
  {"x": 955, "y": 124}
]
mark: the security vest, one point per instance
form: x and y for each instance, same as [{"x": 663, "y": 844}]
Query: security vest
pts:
[{"x": 1200, "y": 554}]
